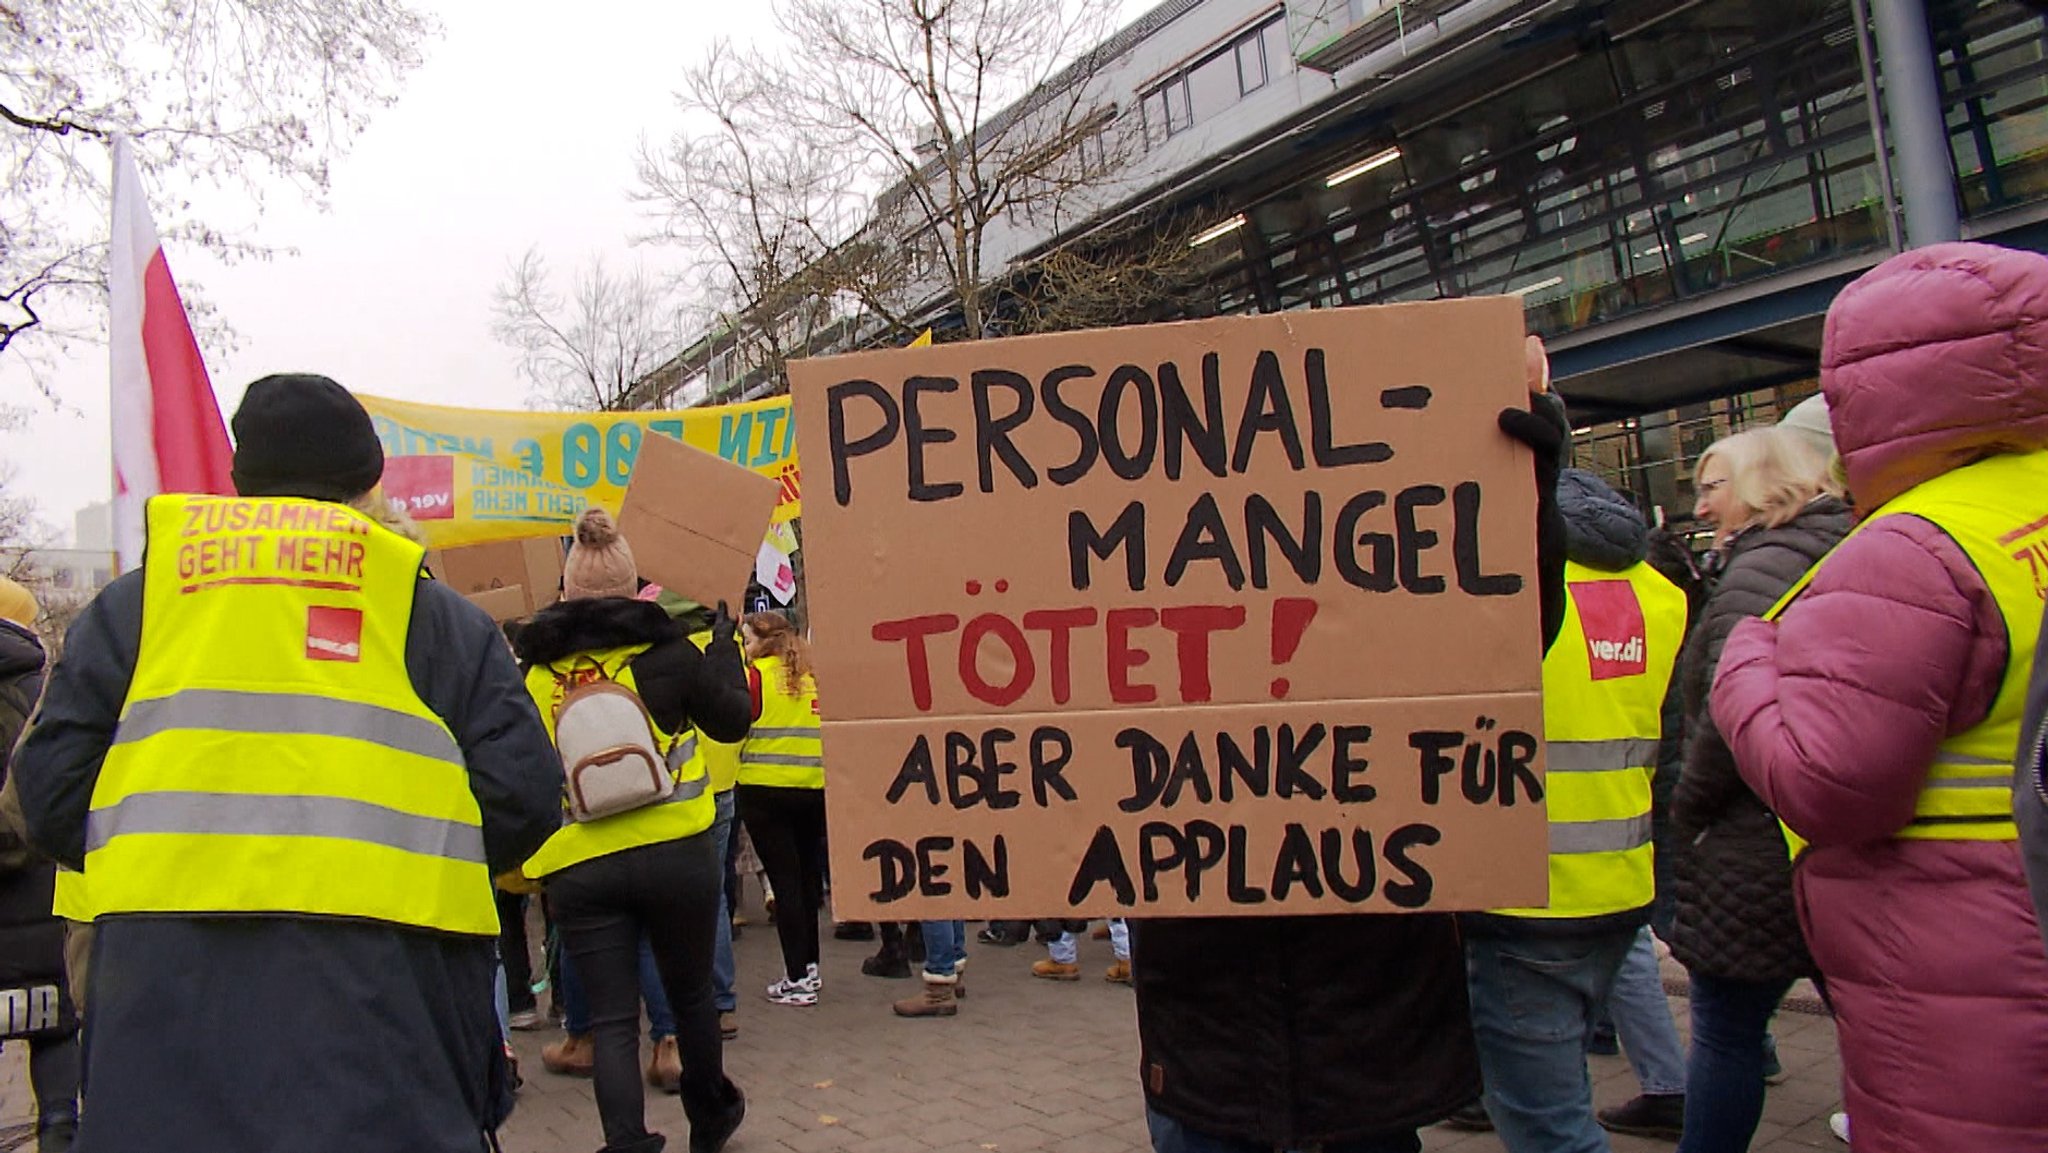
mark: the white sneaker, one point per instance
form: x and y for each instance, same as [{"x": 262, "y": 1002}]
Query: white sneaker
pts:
[
  {"x": 526, "y": 1020},
  {"x": 812, "y": 981},
  {"x": 787, "y": 992},
  {"x": 1838, "y": 1124}
]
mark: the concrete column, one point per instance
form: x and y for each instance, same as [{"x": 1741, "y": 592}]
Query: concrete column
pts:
[{"x": 1919, "y": 136}]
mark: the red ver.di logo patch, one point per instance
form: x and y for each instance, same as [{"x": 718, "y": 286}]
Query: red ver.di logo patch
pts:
[
  {"x": 1612, "y": 618},
  {"x": 334, "y": 634},
  {"x": 423, "y": 486}
]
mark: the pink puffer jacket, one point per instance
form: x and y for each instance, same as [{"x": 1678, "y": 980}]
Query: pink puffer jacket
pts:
[{"x": 1931, "y": 950}]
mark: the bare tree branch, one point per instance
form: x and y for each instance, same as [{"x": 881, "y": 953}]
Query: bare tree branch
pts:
[
  {"x": 587, "y": 348},
  {"x": 239, "y": 94}
]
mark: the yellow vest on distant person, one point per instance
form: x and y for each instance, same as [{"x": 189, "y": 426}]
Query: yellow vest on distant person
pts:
[
  {"x": 1996, "y": 511},
  {"x": 1604, "y": 681},
  {"x": 721, "y": 758},
  {"x": 689, "y": 810},
  {"x": 272, "y": 755},
  {"x": 783, "y": 749}
]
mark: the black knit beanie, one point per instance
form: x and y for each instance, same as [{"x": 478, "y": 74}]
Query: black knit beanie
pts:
[{"x": 298, "y": 434}]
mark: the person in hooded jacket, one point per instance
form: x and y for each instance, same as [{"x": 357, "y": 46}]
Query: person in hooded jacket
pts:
[
  {"x": 652, "y": 872},
  {"x": 1539, "y": 977},
  {"x": 1878, "y": 711},
  {"x": 1735, "y": 928},
  {"x": 31, "y": 936},
  {"x": 342, "y": 997},
  {"x": 1344, "y": 1032}
]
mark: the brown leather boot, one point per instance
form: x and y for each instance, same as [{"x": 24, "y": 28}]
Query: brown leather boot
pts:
[
  {"x": 1052, "y": 970},
  {"x": 572, "y": 1056},
  {"x": 665, "y": 1067},
  {"x": 938, "y": 999},
  {"x": 1119, "y": 973}
]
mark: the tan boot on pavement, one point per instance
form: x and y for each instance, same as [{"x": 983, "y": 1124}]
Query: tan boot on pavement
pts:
[
  {"x": 665, "y": 1067},
  {"x": 1052, "y": 970},
  {"x": 1119, "y": 973},
  {"x": 938, "y": 999},
  {"x": 572, "y": 1056}
]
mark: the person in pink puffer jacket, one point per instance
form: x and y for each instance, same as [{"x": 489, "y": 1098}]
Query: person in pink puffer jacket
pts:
[{"x": 1904, "y": 661}]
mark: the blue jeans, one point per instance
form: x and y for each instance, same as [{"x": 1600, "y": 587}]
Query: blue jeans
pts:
[
  {"x": 945, "y": 947},
  {"x": 1642, "y": 1018},
  {"x": 1170, "y": 1136},
  {"x": 661, "y": 1020},
  {"x": 1534, "y": 998},
  {"x": 722, "y": 968},
  {"x": 1726, "y": 1078}
]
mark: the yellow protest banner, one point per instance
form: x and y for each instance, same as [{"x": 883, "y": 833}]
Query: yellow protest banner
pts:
[{"x": 470, "y": 475}]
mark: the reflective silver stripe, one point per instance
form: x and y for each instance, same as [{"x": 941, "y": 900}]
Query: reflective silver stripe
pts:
[
  {"x": 1600, "y": 756},
  {"x": 1617, "y": 836},
  {"x": 806, "y": 734},
  {"x": 225, "y": 710},
  {"x": 796, "y": 759},
  {"x": 679, "y": 754},
  {"x": 268, "y": 815},
  {"x": 1968, "y": 759},
  {"x": 2001, "y": 782},
  {"x": 688, "y": 790}
]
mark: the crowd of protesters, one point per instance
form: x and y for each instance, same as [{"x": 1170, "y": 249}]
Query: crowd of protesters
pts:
[{"x": 261, "y": 832}]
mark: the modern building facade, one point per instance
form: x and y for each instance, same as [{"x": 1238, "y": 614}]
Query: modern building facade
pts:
[{"x": 1676, "y": 189}]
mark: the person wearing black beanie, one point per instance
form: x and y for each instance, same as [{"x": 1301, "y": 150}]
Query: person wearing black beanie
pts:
[
  {"x": 298, "y": 434},
  {"x": 328, "y": 755}
]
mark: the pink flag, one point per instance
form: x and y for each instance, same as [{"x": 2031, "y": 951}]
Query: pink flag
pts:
[{"x": 168, "y": 435}]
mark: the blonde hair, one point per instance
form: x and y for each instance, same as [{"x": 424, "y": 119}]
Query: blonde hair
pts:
[
  {"x": 373, "y": 505},
  {"x": 1771, "y": 472}
]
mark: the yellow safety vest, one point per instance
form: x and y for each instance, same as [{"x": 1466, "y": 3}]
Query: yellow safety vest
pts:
[
  {"x": 721, "y": 758},
  {"x": 1996, "y": 511},
  {"x": 272, "y": 755},
  {"x": 783, "y": 748},
  {"x": 1603, "y": 698},
  {"x": 689, "y": 810},
  {"x": 69, "y": 900}
]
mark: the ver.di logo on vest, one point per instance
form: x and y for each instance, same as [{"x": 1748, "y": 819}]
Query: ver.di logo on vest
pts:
[
  {"x": 1612, "y": 619},
  {"x": 334, "y": 634}
]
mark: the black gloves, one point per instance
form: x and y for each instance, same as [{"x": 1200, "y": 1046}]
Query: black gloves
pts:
[
  {"x": 724, "y": 628},
  {"x": 1544, "y": 427}
]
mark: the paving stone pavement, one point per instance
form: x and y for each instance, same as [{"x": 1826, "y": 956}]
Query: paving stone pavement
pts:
[{"x": 1029, "y": 1065}]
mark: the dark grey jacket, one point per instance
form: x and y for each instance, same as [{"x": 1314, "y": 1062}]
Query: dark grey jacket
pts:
[
  {"x": 1731, "y": 876},
  {"x": 2030, "y": 784},
  {"x": 289, "y": 1033}
]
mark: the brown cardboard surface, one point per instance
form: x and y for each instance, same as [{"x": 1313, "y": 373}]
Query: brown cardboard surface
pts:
[
  {"x": 504, "y": 604},
  {"x": 695, "y": 521},
  {"x": 532, "y": 566},
  {"x": 1368, "y": 546}
]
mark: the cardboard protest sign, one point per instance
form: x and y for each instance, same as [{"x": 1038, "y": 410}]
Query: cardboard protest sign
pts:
[
  {"x": 468, "y": 475},
  {"x": 505, "y": 604},
  {"x": 1227, "y": 617},
  {"x": 695, "y": 521},
  {"x": 534, "y": 567}
]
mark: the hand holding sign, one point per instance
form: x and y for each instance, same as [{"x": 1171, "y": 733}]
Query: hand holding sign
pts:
[{"x": 1232, "y": 616}]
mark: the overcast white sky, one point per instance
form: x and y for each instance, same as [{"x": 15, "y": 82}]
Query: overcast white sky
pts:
[{"x": 519, "y": 130}]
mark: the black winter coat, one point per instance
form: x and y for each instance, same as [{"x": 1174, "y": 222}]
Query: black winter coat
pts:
[
  {"x": 679, "y": 685},
  {"x": 31, "y": 937},
  {"x": 291, "y": 1034},
  {"x": 1297, "y": 1031},
  {"x": 1734, "y": 916}
]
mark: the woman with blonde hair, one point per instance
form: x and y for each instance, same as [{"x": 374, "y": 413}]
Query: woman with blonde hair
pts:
[
  {"x": 781, "y": 797},
  {"x": 1734, "y": 926}
]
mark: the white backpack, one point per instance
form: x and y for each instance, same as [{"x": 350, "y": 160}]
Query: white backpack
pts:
[{"x": 612, "y": 760}]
